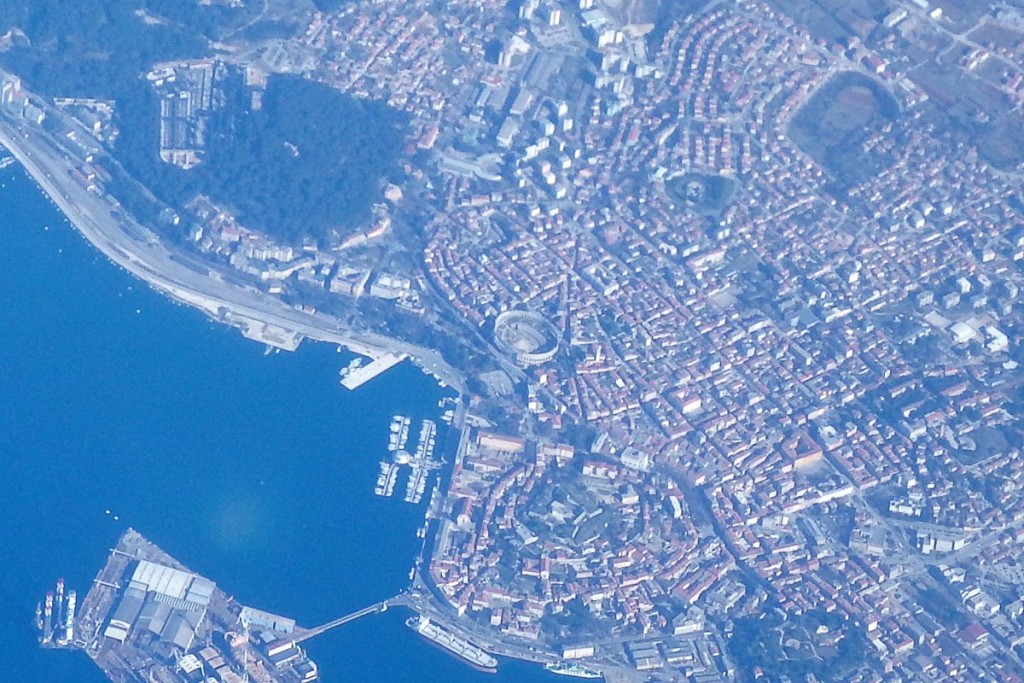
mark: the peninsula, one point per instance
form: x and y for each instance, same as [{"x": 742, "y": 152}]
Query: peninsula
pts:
[{"x": 730, "y": 293}]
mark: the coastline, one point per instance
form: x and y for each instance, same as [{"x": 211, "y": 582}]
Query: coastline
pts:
[
  {"x": 257, "y": 315},
  {"x": 121, "y": 401}
]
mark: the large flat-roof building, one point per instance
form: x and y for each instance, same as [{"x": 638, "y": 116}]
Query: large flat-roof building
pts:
[{"x": 163, "y": 601}]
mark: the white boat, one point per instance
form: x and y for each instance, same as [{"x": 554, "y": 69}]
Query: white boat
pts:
[
  {"x": 403, "y": 433},
  {"x": 416, "y": 485},
  {"x": 382, "y": 479},
  {"x": 389, "y": 485},
  {"x": 350, "y": 368},
  {"x": 575, "y": 670}
]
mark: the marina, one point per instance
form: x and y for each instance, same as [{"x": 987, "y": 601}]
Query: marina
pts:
[
  {"x": 386, "y": 480},
  {"x": 421, "y": 462},
  {"x": 399, "y": 433},
  {"x": 398, "y": 436}
]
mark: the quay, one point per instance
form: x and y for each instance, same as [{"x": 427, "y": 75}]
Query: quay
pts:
[{"x": 148, "y": 617}]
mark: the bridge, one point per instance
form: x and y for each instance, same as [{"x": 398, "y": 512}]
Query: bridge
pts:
[{"x": 376, "y": 608}]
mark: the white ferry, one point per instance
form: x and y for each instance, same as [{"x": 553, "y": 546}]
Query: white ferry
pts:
[{"x": 575, "y": 670}]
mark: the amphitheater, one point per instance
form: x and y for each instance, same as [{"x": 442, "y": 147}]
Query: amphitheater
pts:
[{"x": 527, "y": 336}]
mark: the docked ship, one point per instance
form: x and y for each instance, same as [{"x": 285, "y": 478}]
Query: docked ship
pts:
[
  {"x": 55, "y": 618},
  {"x": 575, "y": 670},
  {"x": 460, "y": 647}
]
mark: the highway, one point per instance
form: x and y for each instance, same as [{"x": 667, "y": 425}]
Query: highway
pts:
[{"x": 180, "y": 274}]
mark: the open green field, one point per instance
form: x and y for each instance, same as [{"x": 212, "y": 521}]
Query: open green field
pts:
[
  {"x": 974, "y": 110},
  {"x": 833, "y": 125}
]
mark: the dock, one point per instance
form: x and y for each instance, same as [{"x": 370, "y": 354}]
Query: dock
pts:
[
  {"x": 378, "y": 366},
  {"x": 421, "y": 462},
  {"x": 144, "y": 605}
]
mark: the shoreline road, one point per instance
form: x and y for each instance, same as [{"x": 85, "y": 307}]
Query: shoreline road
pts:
[{"x": 183, "y": 276}]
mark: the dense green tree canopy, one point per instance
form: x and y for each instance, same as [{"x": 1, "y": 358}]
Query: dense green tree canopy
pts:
[{"x": 307, "y": 164}]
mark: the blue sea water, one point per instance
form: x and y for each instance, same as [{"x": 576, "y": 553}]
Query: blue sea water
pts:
[{"x": 254, "y": 470}]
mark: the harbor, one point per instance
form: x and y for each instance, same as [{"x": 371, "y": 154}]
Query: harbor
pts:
[
  {"x": 193, "y": 511},
  {"x": 147, "y": 617}
]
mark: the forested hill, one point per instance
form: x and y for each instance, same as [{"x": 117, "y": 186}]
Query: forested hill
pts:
[
  {"x": 98, "y": 48},
  {"x": 308, "y": 164}
]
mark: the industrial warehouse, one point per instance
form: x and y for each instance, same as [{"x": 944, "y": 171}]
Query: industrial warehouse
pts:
[{"x": 164, "y": 603}]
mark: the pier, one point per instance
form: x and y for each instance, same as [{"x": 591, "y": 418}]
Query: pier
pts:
[{"x": 360, "y": 376}]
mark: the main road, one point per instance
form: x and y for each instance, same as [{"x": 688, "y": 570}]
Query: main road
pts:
[{"x": 179, "y": 273}]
